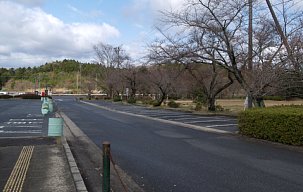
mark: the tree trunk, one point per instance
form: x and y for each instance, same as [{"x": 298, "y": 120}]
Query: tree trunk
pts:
[
  {"x": 250, "y": 100},
  {"x": 211, "y": 102}
]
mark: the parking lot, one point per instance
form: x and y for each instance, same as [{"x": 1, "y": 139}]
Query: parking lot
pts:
[
  {"x": 219, "y": 122},
  {"x": 22, "y": 118}
]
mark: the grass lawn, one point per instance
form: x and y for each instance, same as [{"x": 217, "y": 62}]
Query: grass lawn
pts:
[{"x": 237, "y": 105}]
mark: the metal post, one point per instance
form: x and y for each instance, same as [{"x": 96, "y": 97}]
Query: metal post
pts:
[{"x": 106, "y": 166}]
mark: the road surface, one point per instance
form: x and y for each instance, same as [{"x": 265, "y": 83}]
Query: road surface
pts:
[{"x": 167, "y": 157}]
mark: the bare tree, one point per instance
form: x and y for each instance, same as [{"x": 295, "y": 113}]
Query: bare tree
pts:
[
  {"x": 110, "y": 56},
  {"x": 215, "y": 33},
  {"x": 163, "y": 77},
  {"x": 130, "y": 76},
  {"x": 113, "y": 58}
]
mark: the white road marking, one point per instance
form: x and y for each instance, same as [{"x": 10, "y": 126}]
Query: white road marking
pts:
[
  {"x": 34, "y": 115},
  {"x": 23, "y": 132},
  {"x": 26, "y": 120},
  {"x": 225, "y": 125},
  {"x": 167, "y": 116},
  {"x": 209, "y": 121},
  {"x": 22, "y": 123},
  {"x": 188, "y": 118},
  {"x": 1, "y": 127},
  {"x": 27, "y": 126}
]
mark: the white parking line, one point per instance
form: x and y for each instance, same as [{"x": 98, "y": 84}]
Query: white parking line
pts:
[
  {"x": 26, "y": 120},
  {"x": 23, "y": 132},
  {"x": 22, "y": 123},
  {"x": 27, "y": 126},
  {"x": 170, "y": 116},
  {"x": 225, "y": 125},
  {"x": 1, "y": 127},
  {"x": 209, "y": 121}
]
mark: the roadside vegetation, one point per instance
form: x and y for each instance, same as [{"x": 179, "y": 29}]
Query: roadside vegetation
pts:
[{"x": 282, "y": 124}]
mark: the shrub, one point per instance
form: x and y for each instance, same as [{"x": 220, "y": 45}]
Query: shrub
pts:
[
  {"x": 147, "y": 101},
  {"x": 5, "y": 96},
  {"x": 107, "y": 98},
  {"x": 30, "y": 96},
  {"x": 131, "y": 100},
  {"x": 173, "y": 104},
  {"x": 117, "y": 99},
  {"x": 198, "y": 106},
  {"x": 219, "y": 108},
  {"x": 155, "y": 103},
  {"x": 279, "y": 124},
  {"x": 275, "y": 98}
]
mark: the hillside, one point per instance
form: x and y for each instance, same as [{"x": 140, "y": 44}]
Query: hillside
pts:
[{"x": 63, "y": 76}]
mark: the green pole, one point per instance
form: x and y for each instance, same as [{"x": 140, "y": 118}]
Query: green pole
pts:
[{"x": 106, "y": 166}]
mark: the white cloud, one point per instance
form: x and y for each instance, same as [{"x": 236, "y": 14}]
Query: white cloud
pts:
[
  {"x": 28, "y": 2},
  {"x": 156, "y": 5},
  {"x": 144, "y": 15},
  {"x": 161, "y": 5},
  {"x": 32, "y": 34}
]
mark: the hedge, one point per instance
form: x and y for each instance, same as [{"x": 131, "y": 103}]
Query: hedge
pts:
[
  {"x": 173, "y": 104},
  {"x": 5, "y": 96},
  {"x": 282, "y": 124},
  {"x": 30, "y": 96}
]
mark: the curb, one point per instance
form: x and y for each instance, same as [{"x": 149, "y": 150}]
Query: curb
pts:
[{"x": 78, "y": 180}]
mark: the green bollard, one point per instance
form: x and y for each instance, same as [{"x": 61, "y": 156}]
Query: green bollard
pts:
[
  {"x": 55, "y": 127},
  {"x": 106, "y": 166},
  {"x": 50, "y": 105},
  {"x": 44, "y": 108}
]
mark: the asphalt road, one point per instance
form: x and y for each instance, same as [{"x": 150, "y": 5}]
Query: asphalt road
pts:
[
  {"x": 228, "y": 124},
  {"x": 167, "y": 157},
  {"x": 22, "y": 118}
]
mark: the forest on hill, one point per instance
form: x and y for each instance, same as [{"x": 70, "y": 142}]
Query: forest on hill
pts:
[{"x": 64, "y": 75}]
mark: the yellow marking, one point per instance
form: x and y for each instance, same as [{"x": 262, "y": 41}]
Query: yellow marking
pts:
[{"x": 17, "y": 177}]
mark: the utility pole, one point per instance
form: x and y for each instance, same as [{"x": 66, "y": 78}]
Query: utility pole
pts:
[
  {"x": 117, "y": 50},
  {"x": 249, "y": 98},
  {"x": 80, "y": 79},
  {"x": 77, "y": 85},
  {"x": 283, "y": 37},
  {"x": 250, "y": 36}
]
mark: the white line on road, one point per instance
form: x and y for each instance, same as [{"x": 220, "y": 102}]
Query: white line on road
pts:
[
  {"x": 170, "y": 115},
  {"x": 26, "y": 120},
  {"x": 23, "y": 132},
  {"x": 1, "y": 127},
  {"x": 24, "y": 126},
  {"x": 209, "y": 121},
  {"x": 225, "y": 125},
  {"x": 21, "y": 123},
  {"x": 207, "y": 117}
]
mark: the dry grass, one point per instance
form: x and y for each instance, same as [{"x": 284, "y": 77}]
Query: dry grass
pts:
[{"x": 237, "y": 105}]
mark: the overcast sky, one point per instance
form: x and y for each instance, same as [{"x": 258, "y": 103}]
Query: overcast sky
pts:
[{"x": 33, "y": 32}]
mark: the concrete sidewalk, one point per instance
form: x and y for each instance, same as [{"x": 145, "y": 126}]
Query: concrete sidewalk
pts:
[{"x": 37, "y": 164}]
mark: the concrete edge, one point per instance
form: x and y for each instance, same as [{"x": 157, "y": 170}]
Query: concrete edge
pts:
[
  {"x": 78, "y": 180},
  {"x": 200, "y": 128}
]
